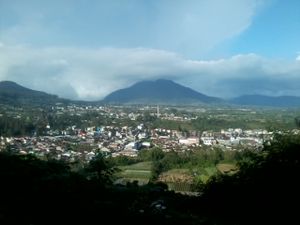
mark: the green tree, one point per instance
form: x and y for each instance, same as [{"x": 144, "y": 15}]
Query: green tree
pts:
[
  {"x": 266, "y": 181},
  {"x": 156, "y": 169},
  {"x": 101, "y": 170},
  {"x": 156, "y": 154}
]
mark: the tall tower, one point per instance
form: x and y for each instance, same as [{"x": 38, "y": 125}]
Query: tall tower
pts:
[{"x": 157, "y": 111}]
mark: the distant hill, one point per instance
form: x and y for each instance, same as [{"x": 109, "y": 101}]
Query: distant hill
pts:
[
  {"x": 14, "y": 94},
  {"x": 146, "y": 92},
  {"x": 158, "y": 92},
  {"x": 262, "y": 100}
]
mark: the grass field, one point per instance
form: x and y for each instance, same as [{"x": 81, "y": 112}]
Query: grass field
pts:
[
  {"x": 140, "y": 172},
  {"x": 177, "y": 171},
  {"x": 138, "y": 166}
]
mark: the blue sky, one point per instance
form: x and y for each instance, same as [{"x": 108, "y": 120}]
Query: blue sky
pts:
[
  {"x": 274, "y": 32},
  {"x": 86, "y": 49}
]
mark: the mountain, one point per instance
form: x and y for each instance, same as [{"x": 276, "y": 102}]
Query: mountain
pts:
[
  {"x": 262, "y": 100},
  {"x": 158, "y": 92},
  {"x": 145, "y": 92},
  {"x": 15, "y": 94}
]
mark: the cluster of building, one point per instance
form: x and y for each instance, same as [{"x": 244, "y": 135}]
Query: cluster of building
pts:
[
  {"x": 72, "y": 143},
  {"x": 236, "y": 137},
  {"x": 83, "y": 145}
]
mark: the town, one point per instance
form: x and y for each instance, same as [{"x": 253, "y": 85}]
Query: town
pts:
[{"x": 125, "y": 130}]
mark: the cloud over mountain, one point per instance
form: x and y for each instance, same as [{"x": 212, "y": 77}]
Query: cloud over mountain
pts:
[{"x": 87, "y": 73}]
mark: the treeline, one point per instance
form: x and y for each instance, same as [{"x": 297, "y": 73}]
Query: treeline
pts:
[
  {"x": 35, "y": 123},
  {"x": 206, "y": 122},
  {"x": 15, "y": 126}
]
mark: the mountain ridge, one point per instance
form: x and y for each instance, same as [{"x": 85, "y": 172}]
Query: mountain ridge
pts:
[
  {"x": 159, "y": 92},
  {"x": 15, "y": 94}
]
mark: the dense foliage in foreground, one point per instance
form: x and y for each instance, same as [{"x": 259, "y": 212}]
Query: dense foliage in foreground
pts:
[{"x": 264, "y": 191}]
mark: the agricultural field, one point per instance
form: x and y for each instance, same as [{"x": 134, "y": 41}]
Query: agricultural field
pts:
[
  {"x": 179, "y": 179},
  {"x": 226, "y": 168},
  {"x": 140, "y": 172}
]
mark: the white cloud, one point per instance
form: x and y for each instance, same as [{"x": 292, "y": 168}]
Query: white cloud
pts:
[
  {"x": 191, "y": 28},
  {"x": 203, "y": 25},
  {"x": 93, "y": 73}
]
